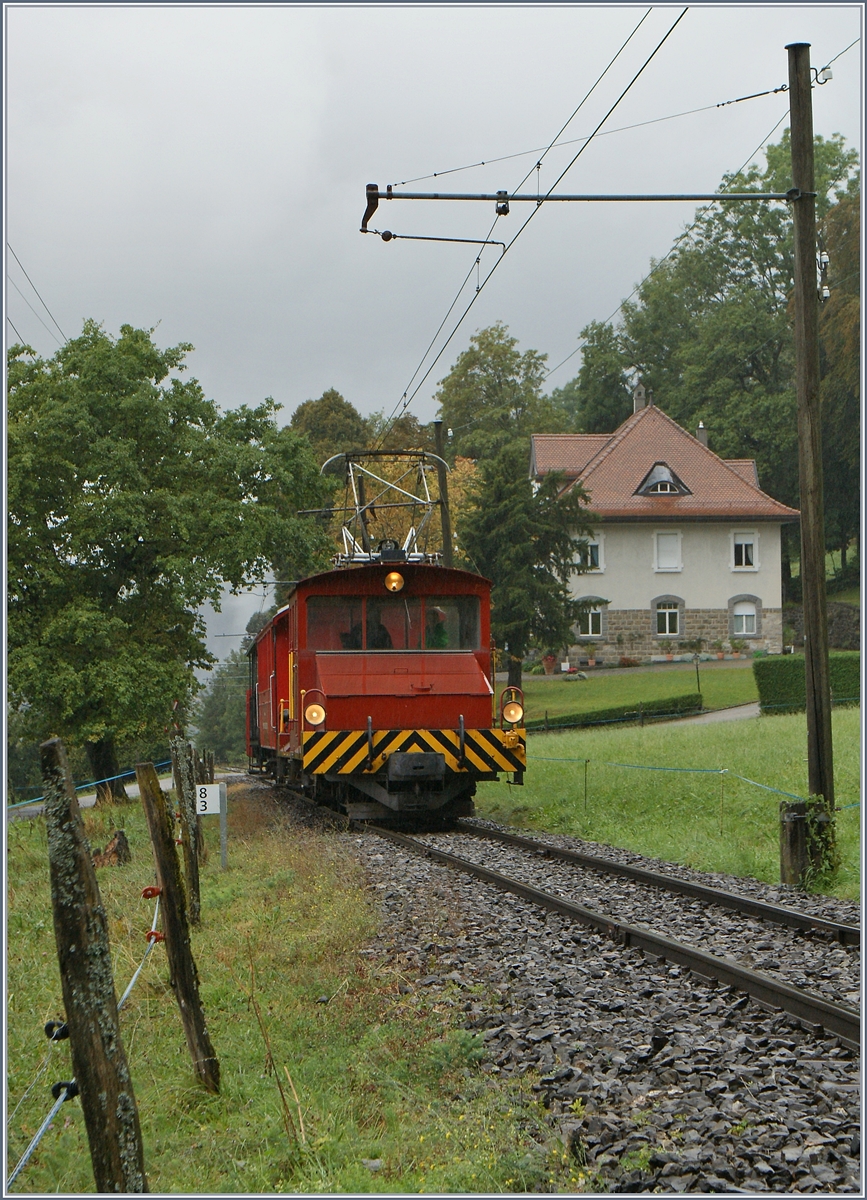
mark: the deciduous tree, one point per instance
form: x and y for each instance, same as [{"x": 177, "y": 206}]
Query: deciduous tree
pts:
[{"x": 132, "y": 501}]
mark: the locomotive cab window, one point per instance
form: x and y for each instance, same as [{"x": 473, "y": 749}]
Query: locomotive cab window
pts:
[
  {"x": 334, "y": 623},
  {"x": 393, "y": 623},
  {"x": 451, "y": 623}
]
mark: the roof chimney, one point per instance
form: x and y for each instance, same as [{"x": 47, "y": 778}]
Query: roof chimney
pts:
[
  {"x": 701, "y": 433},
  {"x": 639, "y": 397}
]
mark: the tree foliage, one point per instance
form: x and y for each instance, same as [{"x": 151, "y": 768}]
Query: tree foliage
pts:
[
  {"x": 493, "y": 395},
  {"x": 132, "y": 501},
  {"x": 220, "y": 712},
  {"x": 710, "y": 330},
  {"x": 331, "y": 424},
  {"x": 524, "y": 540}
]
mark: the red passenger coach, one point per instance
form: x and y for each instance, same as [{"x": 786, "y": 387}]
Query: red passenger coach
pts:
[{"x": 372, "y": 690}]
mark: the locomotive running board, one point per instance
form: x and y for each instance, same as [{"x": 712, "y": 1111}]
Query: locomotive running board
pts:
[{"x": 347, "y": 752}]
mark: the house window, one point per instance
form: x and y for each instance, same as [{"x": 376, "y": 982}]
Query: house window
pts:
[
  {"x": 667, "y": 613},
  {"x": 590, "y": 556},
  {"x": 667, "y": 552},
  {"x": 745, "y": 552},
  {"x": 744, "y": 619},
  {"x": 662, "y": 488},
  {"x": 745, "y": 616},
  {"x": 590, "y": 623}
]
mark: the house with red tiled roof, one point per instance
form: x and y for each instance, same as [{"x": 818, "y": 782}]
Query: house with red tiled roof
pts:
[{"x": 686, "y": 545}]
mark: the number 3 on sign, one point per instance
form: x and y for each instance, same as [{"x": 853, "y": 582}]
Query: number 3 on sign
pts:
[{"x": 207, "y": 798}]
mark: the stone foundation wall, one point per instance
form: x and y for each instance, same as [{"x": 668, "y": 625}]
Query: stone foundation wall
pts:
[{"x": 632, "y": 634}]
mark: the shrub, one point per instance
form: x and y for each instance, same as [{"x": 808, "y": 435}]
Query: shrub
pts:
[
  {"x": 625, "y": 661},
  {"x": 669, "y": 706},
  {"x": 781, "y": 682}
]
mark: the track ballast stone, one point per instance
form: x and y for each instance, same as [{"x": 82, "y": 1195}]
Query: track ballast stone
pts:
[{"x": 656, "y": 1081}]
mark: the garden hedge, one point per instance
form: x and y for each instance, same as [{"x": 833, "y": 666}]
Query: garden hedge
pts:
[
  {"x": 782, "y": 688},
  {"x": 671, "y": 706}
]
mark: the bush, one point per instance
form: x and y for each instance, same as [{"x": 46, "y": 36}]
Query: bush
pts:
[
  {"x": 669, "y": 706},
  {"x": 782, "y": 687}
]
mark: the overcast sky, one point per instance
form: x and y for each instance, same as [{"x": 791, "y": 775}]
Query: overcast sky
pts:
[{"x": 201, "y": 168}]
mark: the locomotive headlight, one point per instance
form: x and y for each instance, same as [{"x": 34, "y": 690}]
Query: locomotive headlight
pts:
[
  {"x": 513, "y": 712},
  {"x": 394, "y": 581},
  {"x": 314, "y": 714}
]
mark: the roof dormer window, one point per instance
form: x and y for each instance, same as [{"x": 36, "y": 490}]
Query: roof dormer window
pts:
[{"x": 662, "y": 481}]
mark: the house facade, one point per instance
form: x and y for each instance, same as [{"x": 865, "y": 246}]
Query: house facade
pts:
[{"x": 686, "y": 545}]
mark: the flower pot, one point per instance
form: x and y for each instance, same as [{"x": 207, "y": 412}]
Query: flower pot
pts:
[
  {"x": 591, "y": 662},
  {"x": 549, "y": 664},
  {"x": 669, "y": 657},
  {"x": 720, "y": 653}
]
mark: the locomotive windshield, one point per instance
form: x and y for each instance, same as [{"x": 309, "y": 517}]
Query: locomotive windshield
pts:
[{"x": 393, "y": 623}]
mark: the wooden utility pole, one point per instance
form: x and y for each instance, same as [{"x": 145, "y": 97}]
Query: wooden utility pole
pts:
[
  {"x": 182, "y": 967},
  {"x": 819, "y": 747},
  {"x": 83, "y": 952},
  {"x": 442, "y": 478}
]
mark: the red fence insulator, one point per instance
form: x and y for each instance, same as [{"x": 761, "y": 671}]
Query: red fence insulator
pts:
[
  {"x": 151, "y": 893},
  {"x": 154, "y": 935}
]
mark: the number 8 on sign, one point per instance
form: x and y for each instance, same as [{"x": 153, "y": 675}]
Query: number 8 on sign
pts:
[{"x": 207, "y": 798}]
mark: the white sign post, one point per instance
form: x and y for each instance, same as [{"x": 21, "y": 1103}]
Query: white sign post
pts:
[{"x": 211, "y": 798}]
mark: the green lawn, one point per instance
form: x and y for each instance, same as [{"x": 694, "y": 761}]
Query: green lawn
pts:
[
  {"x": 850, "y": 595},
  {"x": 381, "y": 1073},
  {"x": 709, "y": 821},
  {"x": 559, "y": 695}
]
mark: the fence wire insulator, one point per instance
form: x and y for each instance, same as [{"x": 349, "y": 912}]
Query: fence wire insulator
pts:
[
  {"x": 151, "y": 893},
  {"x": 56, "y": 1031}
]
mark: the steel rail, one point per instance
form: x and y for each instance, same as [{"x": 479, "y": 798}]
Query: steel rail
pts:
[
  {"x": 847, "y": 935},
  {"x": 838, "y": 1019}
]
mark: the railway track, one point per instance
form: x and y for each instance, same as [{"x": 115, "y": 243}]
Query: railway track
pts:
[
  {"x": 840, "y": 1019},
  {"x": 847, "y": 935}
]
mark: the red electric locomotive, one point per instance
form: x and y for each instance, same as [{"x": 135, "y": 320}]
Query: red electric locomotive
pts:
[{"x": 372, "y": 690}]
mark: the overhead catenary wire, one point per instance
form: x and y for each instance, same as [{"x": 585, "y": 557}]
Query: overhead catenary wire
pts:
[
  {"x": 701, "y": 213},
  {"x": 33, "y": 310},
  {"x": 487, "y": 162},
  {"x": 638, "y": 73},
  {"x": 406, "y": 400},
  {"x": 33, "y": 285},
  {"x": 15, "y": 331},
  {"x": 692, "y": 226}
]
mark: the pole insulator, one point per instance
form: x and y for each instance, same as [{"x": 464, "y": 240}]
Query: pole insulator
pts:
[
  {"x": 154, "y": 935},
  {"x": 71, "y": 1089},
  {"x": 151, "y": 893}
]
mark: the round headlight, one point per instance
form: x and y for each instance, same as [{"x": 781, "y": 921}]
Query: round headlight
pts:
[
  {"x": 394, "y": 581},
  {"x": 513, "y": 712},
  {"x": 314, "y": 714}
]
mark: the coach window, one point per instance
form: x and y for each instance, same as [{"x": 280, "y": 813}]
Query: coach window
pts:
[{"x": 451, "y": 623}]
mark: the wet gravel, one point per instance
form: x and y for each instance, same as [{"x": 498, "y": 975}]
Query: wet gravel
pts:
[
  {"x": 657, "y": 1082},
  {"x": 814, "y": 961}
]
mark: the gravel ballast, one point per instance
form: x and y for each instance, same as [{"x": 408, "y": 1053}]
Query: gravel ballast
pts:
[{"x": 656, "y": 1080}]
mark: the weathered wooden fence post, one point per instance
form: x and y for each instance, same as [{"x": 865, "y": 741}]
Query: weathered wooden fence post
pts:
[
  {"x": 81, "y": 932},
  {"x": 186, "y": 795},
  {"x": 793, "y": 843},
  {"x": 183, "y": 974}
]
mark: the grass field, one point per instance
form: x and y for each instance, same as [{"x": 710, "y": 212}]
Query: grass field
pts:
[
  {"x": 708, "y": 821},
  {"x": 380, "y": 1075},
  {"x": 721, "y": 686}
]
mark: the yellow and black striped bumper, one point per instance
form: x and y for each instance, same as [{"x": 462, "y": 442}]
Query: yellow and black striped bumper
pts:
[{"x": 345, "y": 752}]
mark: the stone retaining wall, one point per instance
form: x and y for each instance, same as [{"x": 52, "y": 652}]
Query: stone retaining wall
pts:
[{"x": 844, "y": 625}]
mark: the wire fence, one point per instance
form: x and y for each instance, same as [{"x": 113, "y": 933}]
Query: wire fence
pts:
[
  {"x": 67, "y": 1090},
  {"x": 643, "y": 716},
  {"x": 720, "y": 771},
  {"x": 83, "y": 787}
]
